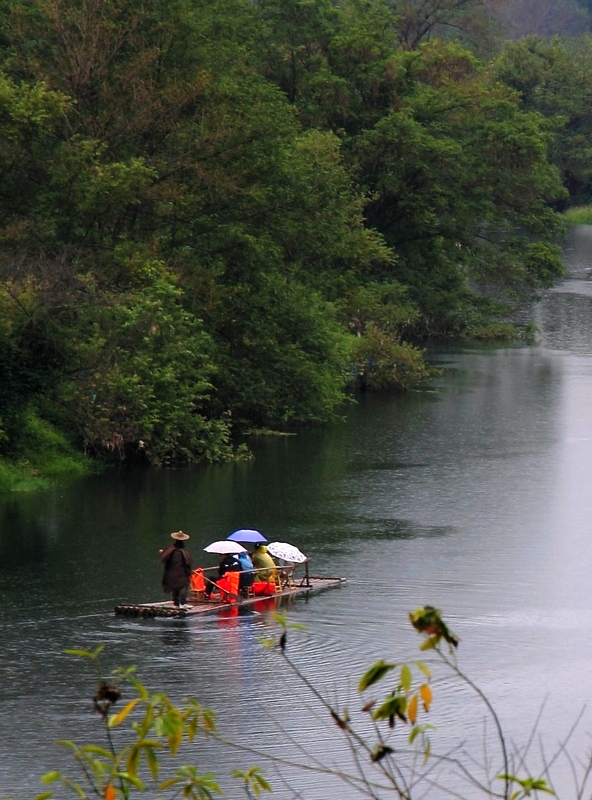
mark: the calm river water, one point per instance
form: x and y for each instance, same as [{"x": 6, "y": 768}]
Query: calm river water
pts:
[{"x": 474, "y": 496}]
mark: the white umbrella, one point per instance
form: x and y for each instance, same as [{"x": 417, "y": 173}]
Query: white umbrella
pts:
[
  {"x": 286, "y": 551},
  {"x": 225, "y": 546}
]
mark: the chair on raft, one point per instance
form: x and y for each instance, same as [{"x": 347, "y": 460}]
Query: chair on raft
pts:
[
  {"x": 228, "y": 587},
  {"x": 197, "y": 585},
  {"x": 287, "y": 576},
  {"x": 276, "y": 579},
  {"x": 263, "y": 587}
]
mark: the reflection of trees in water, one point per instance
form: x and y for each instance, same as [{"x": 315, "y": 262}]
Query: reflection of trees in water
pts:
[
  {"x": 176, "y": 636},
  {"x": 564, "y": 314},
  {"x": 577, "y": 251},
  {"x": 564, "y": 320},
  {"x": 353, "y": 528}
]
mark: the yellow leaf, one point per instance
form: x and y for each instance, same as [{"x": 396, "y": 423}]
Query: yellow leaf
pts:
[
  {"x": 426, "y": 695},
  {"x": 109, "y": 792},
  {"x": 412, "y": 709},
  {"x": 116, "y": 719}
]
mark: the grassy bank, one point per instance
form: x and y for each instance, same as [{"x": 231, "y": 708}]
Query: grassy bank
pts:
[
  {"x": 580, "y": 215},
  {"x": 43, "y": 455}
]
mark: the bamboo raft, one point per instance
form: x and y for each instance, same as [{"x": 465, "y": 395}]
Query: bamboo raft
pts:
[{"x": 198, "y": 605}]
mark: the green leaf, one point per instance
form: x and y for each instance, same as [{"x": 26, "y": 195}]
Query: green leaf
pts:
[
  {"x": 152, "y": 762},
  {"x": 424, "y": 668},
  {"x": 406, "y": 677},
  {"x": 374, "y": 674},
  {"x": 50, "y": 777},
  {"x": 393, "y": 706},
  {"x": 415, "y": 731},
  {"x": 68, "y": 743},
  {"x": 133, "y": 760},
  {"x": 254, "y": 780},
  {"x": 100, "y": 751},
  {"x": 528, "y": 785},
  {"x": 140, "y": 688},
  {"x": 92, "y": 654},
  {"x": 129, "y": 778},
  {"x": 169, "y": 782},
  {"x": 78, "y": 789},
  {"x": 430, "y": 643}
]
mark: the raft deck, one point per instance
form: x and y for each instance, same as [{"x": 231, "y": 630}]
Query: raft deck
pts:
[{"x": 199, "y": 606}]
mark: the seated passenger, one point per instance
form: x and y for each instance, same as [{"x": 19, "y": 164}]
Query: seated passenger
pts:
[
  {"x": 229, "y": 563},
  {"x": 246, "y": 576},
  {"x": 264, "y": 562}
]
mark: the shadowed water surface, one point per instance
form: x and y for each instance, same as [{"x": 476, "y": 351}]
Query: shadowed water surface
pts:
[{"x": 473, "y": 496}]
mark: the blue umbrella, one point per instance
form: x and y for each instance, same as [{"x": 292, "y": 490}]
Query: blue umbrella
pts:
[{"x": 246, "y": 535}]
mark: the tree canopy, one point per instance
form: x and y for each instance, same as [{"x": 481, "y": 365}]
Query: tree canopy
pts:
[{"x": 219, "y": 216}]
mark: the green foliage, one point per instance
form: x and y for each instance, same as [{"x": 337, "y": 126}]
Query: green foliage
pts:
[
  {"x": 374, "y": 674},
  {"x": 286, "y": 358},
  {"x": 28, "y": 363},
  {"x": 129, "y": 763},
  {"x": 578, "y": 215},
  {"x": 19, "y": 478},
  {"x": 497, "y": 332},
  {"x": 398, "y": 719},
  {"x": 428, "y": 620},
  {"x": 219, "y": 216},
  {"x": 456, "y": 168},
  {"x": 381, "y": 361},
  {"x": 145, "y": 375},
  {"x": 379, "y": 314},
  {"x": 253, "y": 780},
  {"x": 452, "y": 165},
  {"x": 554, "y": 78},
  {"x": 45, "y": 451},
  {"x": 527, "y": 786},
  {"x": 37, "y": 452}
]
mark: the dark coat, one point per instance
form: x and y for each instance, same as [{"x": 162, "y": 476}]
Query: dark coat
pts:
[
  {"x": 177, "y": 567},
  {"x": 229, "y": 563}
]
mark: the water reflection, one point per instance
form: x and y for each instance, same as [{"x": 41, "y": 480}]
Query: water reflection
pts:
[
  {"x": 177, "y": 637},
  {"x": 563, "y": 315}
]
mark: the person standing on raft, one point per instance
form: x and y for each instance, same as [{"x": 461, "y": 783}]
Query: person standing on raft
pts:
[{"x": 176, "y": 562}]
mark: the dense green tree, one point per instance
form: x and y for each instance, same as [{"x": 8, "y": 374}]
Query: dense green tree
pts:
[
  {"x": 554, "y": 78},
  {"x": 146, "y": 374},
  {"x": 379, "y": 313},
  {"x": 455, "y": 169},
  {"x": 203, "y": 171},
  {"x": 29, "y": 362},
  {"x": 213, "y": 215},
  {"x": 452, "y": 165}
]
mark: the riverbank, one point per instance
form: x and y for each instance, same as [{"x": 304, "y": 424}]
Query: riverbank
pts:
[
  {"x": 580, "y": 215},
  {"x": 44, "y": 455}
]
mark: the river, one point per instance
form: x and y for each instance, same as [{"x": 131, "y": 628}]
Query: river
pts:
[{"x": 473, "y": 496}]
